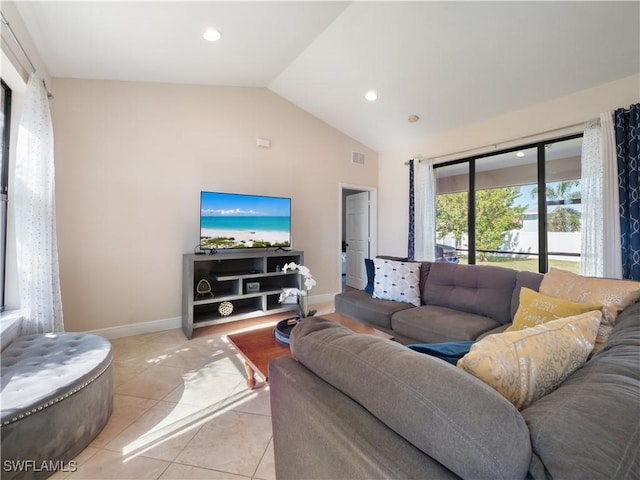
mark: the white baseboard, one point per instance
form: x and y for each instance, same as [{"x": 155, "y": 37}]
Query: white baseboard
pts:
[
  {"x": 327, "y": 297},
  {"x": 171, "y": 323},
  {"x": 139, "y": 328}
]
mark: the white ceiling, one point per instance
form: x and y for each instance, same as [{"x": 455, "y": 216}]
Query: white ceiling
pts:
[{"x": 451, "y": 63}]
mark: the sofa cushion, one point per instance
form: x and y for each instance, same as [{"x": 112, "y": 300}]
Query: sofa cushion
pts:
[
  {"x": 425, "y": 269},
  {"x": 446, "y": 413},
  {"x": 588, "y": 427},
  {"x": 359, "y": 304},
  {"x": 398, "y": 281},
  {"x": 524, "y": 279},
  {"x": 481, "y": 289},
  {"x": 536, "y": 308},
  {"x": 494, "y": 331},
  {"x": 527, "y": 364},
  {"x": 432, "y": 324}
]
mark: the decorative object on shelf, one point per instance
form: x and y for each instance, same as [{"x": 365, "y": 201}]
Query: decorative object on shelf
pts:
[
  {"x": 225, "y": 309},
  {"x": 253, "y": 287},
  {"x": 301, "y": 295},
  {"x": 283, "y": 330},
  {"x": 203, "y": 288}
]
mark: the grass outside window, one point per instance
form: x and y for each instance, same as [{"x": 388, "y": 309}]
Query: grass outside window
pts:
[{"x": 527, "y": 264}]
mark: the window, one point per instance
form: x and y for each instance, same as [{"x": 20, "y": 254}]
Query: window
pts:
[
  {"x": 489, "y": 207},
  {"x": 452, "y": 225},
  {"x": 5, "y": 122}
]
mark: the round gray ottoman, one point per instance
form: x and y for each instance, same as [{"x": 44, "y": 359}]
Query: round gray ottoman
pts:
[{"x": 57, "y": 395}]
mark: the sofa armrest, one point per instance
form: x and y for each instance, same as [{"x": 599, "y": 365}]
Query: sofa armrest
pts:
[
  {"x": 448, "y": 414},
  {"x": 318, "y": 432},
  {"x": 588, "y": 427}
]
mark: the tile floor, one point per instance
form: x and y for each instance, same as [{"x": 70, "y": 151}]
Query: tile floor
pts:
[{"x": 182, "y": 410}]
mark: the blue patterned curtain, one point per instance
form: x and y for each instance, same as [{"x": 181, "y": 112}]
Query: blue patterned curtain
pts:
[
  {"x": 627, "y": 127},
  {"x": 412, "y": 214}
]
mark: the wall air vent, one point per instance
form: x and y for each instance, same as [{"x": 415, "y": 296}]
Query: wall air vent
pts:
[{"x": 357, "y": 157}]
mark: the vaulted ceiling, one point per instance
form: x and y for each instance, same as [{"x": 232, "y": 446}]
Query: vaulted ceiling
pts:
[{"x": 450, "y": 63}]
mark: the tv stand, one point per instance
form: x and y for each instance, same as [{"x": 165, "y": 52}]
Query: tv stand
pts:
[
  {"x": 229, "y": 272},
  {"x": 281, "y": 249}
]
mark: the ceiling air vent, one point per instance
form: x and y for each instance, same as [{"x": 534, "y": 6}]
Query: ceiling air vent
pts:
[{"x": 357, "y": 157}]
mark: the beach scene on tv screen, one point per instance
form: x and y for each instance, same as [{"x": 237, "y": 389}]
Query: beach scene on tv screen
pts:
[{"x": 244, "y": 221}]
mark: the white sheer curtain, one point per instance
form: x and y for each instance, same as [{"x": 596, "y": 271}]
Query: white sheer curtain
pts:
[
  {"x": 601, "y": 248},
  {"x": 34, "y": 193},
  {"x": 425, "y": 219},
  {"x": 612, "y": 244}
]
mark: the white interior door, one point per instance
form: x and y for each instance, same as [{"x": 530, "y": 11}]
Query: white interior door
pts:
[{"x": 357, "y": 237}]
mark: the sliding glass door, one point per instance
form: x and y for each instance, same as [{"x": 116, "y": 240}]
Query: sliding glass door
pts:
[
  {"x": 452, "y": 212},
  {"x": 488, "y": 207},
  {"x": 501, "y": 200},
  {"x": 563, "y": 203}
]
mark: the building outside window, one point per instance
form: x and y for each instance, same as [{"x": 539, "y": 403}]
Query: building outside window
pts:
[{"x": 488, "y": 207}]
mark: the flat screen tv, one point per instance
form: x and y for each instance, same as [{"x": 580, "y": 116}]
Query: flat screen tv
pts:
[{"x": 232, "y": 220}]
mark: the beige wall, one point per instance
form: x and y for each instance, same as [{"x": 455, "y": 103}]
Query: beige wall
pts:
[
  {"x": 497, "y": 132},
  {"x": 131, "y": 160}
]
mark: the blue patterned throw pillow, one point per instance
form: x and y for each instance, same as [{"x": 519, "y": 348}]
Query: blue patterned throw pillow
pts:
[
  {"x": 371, "y": 273},
  {"x": 399, "y": 281}
]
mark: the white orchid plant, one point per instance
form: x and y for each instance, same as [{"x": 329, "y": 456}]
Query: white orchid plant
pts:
[{"x": 301, "y": 294}]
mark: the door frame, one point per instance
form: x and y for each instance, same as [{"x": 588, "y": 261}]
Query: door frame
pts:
[{"x": 373, "y": 220}]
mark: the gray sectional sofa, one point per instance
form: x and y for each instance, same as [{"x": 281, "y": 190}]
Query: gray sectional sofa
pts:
[
  {"x": 361, "y": 407},
  {"x": 459, "y": 302},
  {"x": 353, "y": 406}
]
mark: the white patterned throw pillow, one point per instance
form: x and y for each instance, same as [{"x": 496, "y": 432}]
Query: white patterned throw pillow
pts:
[{"x": 399, "y": 281}]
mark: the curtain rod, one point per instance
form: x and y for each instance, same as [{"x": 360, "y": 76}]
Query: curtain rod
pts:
[
  {"x": 24, "y": 52},
  {"x": 495, "y": 145}
]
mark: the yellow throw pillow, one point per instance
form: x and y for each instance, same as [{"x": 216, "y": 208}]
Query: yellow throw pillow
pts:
[
  {"x": 614, "y": 295},
  {"x": 535, "y": 308},
  {"x": 527, "y": 364}
]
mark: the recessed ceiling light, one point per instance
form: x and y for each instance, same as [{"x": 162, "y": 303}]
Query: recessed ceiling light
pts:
[
  {"x": 413, "y": 118},
  {"x": 212, "y": 35},
  {"x": 520, "y": 154},
  {"x": 371, "y": 95}
]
